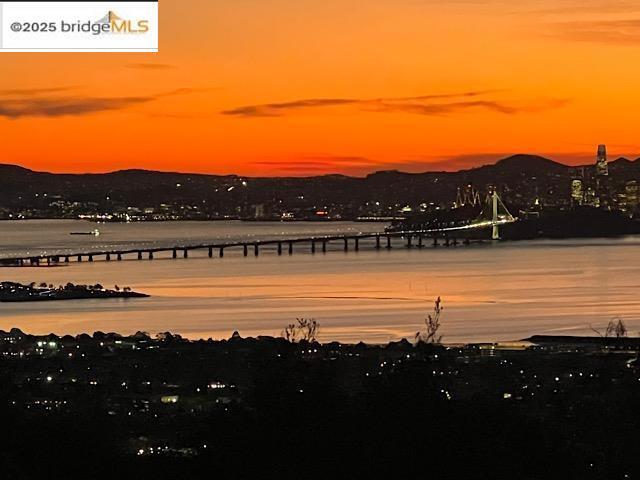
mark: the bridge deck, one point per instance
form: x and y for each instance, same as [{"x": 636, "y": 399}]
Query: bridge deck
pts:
[{"x": 451, "y": 233}]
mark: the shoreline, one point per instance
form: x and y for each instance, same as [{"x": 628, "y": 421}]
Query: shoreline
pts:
[
  {"x": 12, "y": 292},
  {"x": 532, "y": 343}
]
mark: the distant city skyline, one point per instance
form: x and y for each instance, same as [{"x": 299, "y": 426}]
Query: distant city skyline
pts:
[{"x": 288, "y": 88}]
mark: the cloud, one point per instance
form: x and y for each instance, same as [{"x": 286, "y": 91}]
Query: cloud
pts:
[
  {"x": 442, "y": 163},
  {"x": 277, "y": 109},
  {"x": 298, "y": 169},
  {"x": 595, "y": 7},
  {"x": 45, "y": 102},
  {"x": 361, "y": 166},
  {"x": 445, "y": 108},
  {"x": 321, "y": 160},
  {"x": 440, "y": 96},
  {"x": 33, "y": 91},
  {"x": 431, "y": 105},
  {"x": 59, "y": 107},
  {"x": 617, "y": 32},
  {"x": 321, "y": 164}
]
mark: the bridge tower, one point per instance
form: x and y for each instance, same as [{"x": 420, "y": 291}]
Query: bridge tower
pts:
[
  {"x": 495, "y": 233},
  {"x": 494, "y": 213}
]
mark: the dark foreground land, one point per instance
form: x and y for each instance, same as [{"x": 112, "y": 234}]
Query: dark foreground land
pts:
[
  {"x": 106, "y": 406},
  {"x": 17, "y": 292}
]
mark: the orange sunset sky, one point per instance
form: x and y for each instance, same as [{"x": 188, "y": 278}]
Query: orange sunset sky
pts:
[{"x": 302, "y": 87}]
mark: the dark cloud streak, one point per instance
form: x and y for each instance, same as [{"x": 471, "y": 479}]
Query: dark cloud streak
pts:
[
  {"x": 44, "y": 102},
  {"x": 276, "y": 109},
  {"x": 59, "y": 107},
  {"x": 430, "y": 105},
  {"x": 34, "y": 91}
]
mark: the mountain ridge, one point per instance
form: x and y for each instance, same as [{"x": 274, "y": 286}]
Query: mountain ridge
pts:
[
  {"x": 521, "y": 160},
  {"x": 521, "y": 179}
]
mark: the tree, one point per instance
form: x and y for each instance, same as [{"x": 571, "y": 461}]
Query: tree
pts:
[
  {"x": 168, "y": 337},
  {"x": 305, "y": 329},
  {"x": 117, "y": 288},
  {"x": 432, "y": 324},
  {"x": 615, "y": 328}
]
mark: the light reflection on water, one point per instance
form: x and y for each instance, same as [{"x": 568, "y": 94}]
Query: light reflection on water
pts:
[{"x": 492, "y": 292}]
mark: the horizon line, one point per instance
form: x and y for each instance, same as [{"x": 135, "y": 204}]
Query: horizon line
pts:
[{"x": 303, "y": 175}]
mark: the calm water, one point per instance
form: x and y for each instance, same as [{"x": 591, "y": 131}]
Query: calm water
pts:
[{"x": 500, "y": 291}]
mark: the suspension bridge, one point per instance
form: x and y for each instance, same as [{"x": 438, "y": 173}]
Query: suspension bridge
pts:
[{"x": 493, "y": 215}]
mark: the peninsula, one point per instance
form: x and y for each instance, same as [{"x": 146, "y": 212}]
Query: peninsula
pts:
[{"x": 17, "y": 292}]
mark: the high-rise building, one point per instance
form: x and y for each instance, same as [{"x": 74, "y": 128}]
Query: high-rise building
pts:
[
  {"x": 602, "y": 168},
  {"x": 590, "y": 197},
  {"x": 577, "y": 192},
  {"x": 631, "y": 195}
]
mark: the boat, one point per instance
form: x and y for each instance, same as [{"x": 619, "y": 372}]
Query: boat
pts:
[{"x": 95, "y": 233}]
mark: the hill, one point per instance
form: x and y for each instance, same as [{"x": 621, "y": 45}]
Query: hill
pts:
[{"x": 520, "y": 178}]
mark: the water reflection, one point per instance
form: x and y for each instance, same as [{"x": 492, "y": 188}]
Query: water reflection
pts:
[{"x": 493, "y": 292}]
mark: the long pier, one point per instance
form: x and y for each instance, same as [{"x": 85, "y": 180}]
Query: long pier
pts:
[{"x": 348, "y": 242}]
